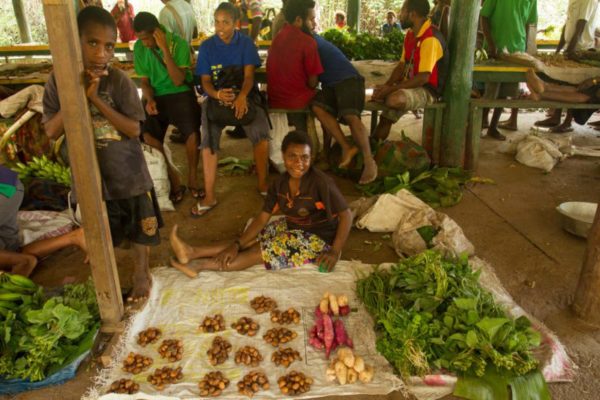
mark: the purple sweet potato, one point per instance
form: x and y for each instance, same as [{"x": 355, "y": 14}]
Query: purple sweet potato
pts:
[
  {"x": 316, "y": 343},
  {"x": 328, "y": 335},
  {"x": 340, "y": 334},
  {"x": 344, "y": 310}
]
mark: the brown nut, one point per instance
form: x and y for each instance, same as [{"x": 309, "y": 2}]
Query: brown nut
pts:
[
  {"x": 136, "y": 363},
  {"x": 213, "y": 324},
  {"x": 291, "y": 315},
  {"x": 246, "y": 326},
  {"x": 171, "y": 349},
  {"x": 248, "y": 355},
  {"x": 124, "y": 386},
  {"x": 165, "y": 376},
  {"x": 219, "y": 350},
  {"x": 213, "y": 384},
  {"x": 253, "y": 382},
  {"x": 150, "y": 335},
  {"x": 277, "y": 336},
  {"x": 262, "y": 304},
  {"x": 294, "y": 383},
  {"x": 285, "y": 356}
]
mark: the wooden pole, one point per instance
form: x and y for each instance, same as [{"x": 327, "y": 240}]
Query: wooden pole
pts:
[
  {"x": 353, "y": 15},
  {"x": 461, "y": 47},
  {"x": 587, "y": 295},
  {"x": 68, "y": 70},
  {"x": 24, "y": 31}
]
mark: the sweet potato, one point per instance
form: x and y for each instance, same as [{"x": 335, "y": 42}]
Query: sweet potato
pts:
[
  {"x": 333, "y": 305},
  {"x": 316, "y": 343},
  {"x": 341, "y": 372},
  {"x": 342, "y": 300},
  {"x": 324, "y": 306},
  {"x": 346, "y": 356},
  {"x": 341, "y": 335},
  {"x": 344, "y": 310},
  {"x": 328, "y": 334},
  {"x": 366, "y": 376},
  {"x": 359, "y": 364}
]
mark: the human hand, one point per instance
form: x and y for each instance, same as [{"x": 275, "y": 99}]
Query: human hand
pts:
[
  {"x": 588, "y": 83},
  {"x": 328, "y": 259},
  {"x": 226, "y": 95},
  {"x": 93, "y": 81},
  {"x": 161, "y": 39},
  {"x": 380, "y": 92},
  {"x": 225, "y": 257},
  {"x": 151, "y": 108},
  {"x": 240, "y": 105}
]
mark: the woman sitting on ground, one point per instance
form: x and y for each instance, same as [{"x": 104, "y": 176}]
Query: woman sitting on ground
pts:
[
  {"x": 587, "y": 91},
  {"x": 315, "y": 228}
]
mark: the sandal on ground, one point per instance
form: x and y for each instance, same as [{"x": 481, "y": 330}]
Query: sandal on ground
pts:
[
  {"x": 496, "y": 135},
  {"x": 561, "y": 129},
  {"x": 199, "y": 210},
  {"x": 177, "y": 195},
  {"x": 197, "y": 193}
]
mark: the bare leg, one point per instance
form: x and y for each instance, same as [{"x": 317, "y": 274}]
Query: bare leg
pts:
[
  {"x": 18, "y": 263},
  {"x": 361, "y": 137},
  {"x": 209, "y": 164},
  {"x": 326, "y": 141},
  {"x": 486, "y": 118},
  {"x": 511, "y": 123},
  {"x": 45, "y": 247},
  {"x": 142, "y": 281},
  {"x": 247, "y": 258},
  {"x": 569, "y": 96},
  {"x": 173, "y": 175},
  {"x": 565, "y": 126},
  {"x": 552, "y": 120},
  {"x": 332, "y": 126},
  {"x": 184, "y": 252},
  {"x": 493, "y": 128},
  {"x": 384, "y": 126},
  {"x": 193, "y": 155},
  {"x": 261, "y": 159}
]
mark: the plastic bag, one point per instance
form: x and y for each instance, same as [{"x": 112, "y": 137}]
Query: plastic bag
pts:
[
  {"x": 388, "y": 211},
  {"x": 157, "y": 167},
  {"x": 538, "y": 153},
  {"x": 280, "y": 129}
]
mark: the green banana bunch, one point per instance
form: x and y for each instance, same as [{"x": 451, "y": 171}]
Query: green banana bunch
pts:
[
  {"x": 480, "y": 55},
  {"x": 16, "y": 292},
  {"x": 42, "y": 167}
]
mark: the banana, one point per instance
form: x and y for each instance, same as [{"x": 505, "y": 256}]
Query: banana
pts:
[
  {"x": 14, "y": 289},
  {"x": 9, "y": 305},
  {"x": 10, "y": 296},
  {"x": 22, "y": 281}
]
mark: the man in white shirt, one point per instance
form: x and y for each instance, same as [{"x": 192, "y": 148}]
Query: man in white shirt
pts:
[{"x": 178, "y": 17}]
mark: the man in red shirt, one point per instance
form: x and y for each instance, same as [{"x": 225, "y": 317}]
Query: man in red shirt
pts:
[
  {"x": 418, "y": 79},
  {"x": 293, "y": 64}
]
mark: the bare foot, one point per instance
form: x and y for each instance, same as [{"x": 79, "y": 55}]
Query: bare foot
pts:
[
  {"x": 185, "y": 268},
  {"x": 347, "y": 157},
  {"x": 142, "y": 283},
  {"x": 534, "y": 96},
  {"x": 508, "y": 125},
  {"x": 79, "y": 241},
  {"x": 548, "y": 122},
  {"x": 181, "y": 249},
  {"x": 369, "y": 173},
  {"x": 495, "y": 134},
  {"x": 534, "y": 83},
  {"x": 26, "y": 266}
]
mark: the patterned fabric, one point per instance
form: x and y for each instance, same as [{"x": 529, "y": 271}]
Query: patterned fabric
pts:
[{"x": 282, "y": 248}]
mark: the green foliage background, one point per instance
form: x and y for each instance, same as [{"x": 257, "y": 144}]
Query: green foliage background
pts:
[{"x": 551, "y": 12}]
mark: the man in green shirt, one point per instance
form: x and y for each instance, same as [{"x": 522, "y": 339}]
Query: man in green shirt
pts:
[
  {"x": 163, "y": 61},
  {"x": 505, "y": 24}
]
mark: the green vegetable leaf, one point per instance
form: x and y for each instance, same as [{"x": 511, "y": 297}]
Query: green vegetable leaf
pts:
[
  {"x": 490, "y": 326},
  {"x": 466, "y": 304},
  {"x": 471, "y": 339}
]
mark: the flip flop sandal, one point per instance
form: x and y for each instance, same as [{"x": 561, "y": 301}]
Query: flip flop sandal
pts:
[
  {"x": 199, "y": 211},
  {"x": 197, "y": 193},
  {"x": 559, "y": 129},
  {"x": 545, "y": 124},
  {"x": 177, "y": 195}
]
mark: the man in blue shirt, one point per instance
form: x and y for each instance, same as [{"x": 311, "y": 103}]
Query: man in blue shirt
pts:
[
  {"x": 342, "y": 96},
  {"x": 391, "y": 24}
]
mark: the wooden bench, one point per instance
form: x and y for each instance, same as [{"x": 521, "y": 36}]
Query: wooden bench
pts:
[
  {"x": 432, "y": 126},
  {"x": 476, "y": 118},
  {"x": 311, "y": 127}
]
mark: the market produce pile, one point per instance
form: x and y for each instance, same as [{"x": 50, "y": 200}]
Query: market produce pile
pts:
[
  {"x": 438, "y": 187},
  {"x": 365, "y": 46},
  {"x": 39, "y": 336},
  {"x": 431, "y": 314}
]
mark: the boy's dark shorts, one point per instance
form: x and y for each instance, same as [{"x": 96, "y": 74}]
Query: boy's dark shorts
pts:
[
  {"x": 136, "y": 218},
  {"x": 179, "y": 109},
  {"x": 344, "y": 98}
]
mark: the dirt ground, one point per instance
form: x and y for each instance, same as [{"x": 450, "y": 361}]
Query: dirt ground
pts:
[{"x": 513, "y": 225}]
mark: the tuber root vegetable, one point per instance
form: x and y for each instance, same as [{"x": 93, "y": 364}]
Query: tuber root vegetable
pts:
[
  {"x": 342, "y": 300},
  {"x": 344, "y": 310},
  {"x": 366, "y": 375},
  {"x": 345, "y": 355},
  {"x": 333, "y": 305},
  {"x": 359, "y": 364},
  {"x": 328, "y": 334},
  {"x": 324, "y": 306},
  {"x": 352, "y": 376},
  {"x": 341, "y": 336},
  {"x": 341, "y": 372},
  {"x": 330, "y": 374}
]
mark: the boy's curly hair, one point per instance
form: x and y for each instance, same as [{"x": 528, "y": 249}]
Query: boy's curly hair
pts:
[{"x": 94, "y": 15}]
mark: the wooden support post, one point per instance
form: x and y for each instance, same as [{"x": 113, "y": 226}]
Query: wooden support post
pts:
[
  {"x": 473, "y": 137},
  {"x": 587, "y": 295},
  {"x": 68, "y": 69},
  {"x": 353, "y": 15},
  {"x": 461, "y": 47},
  {"x": 24, "y": 31}
]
